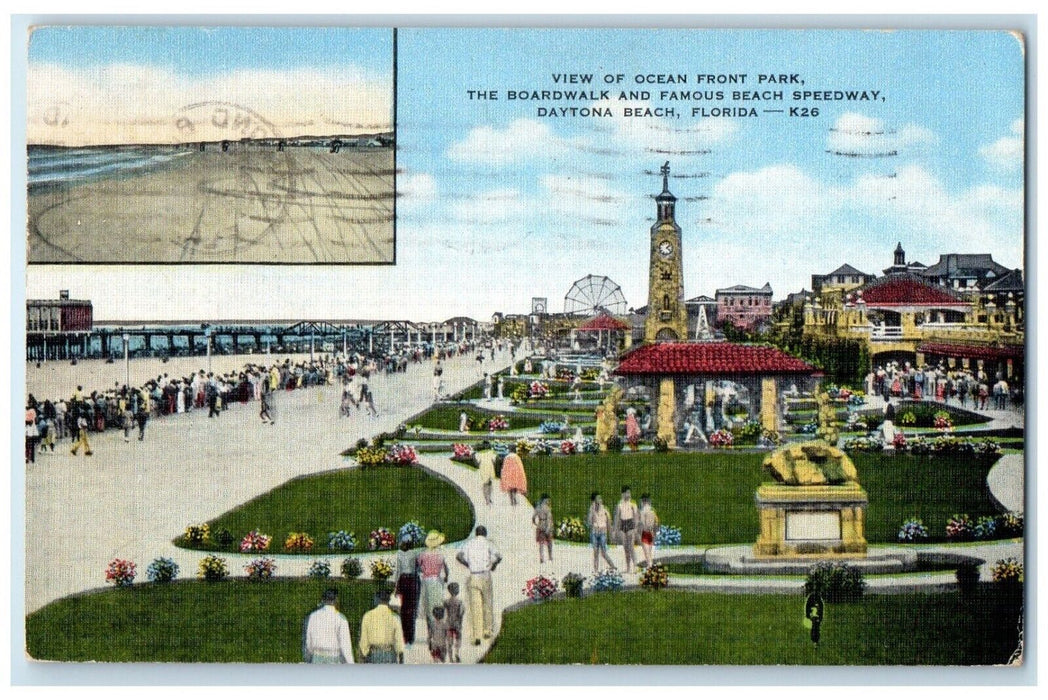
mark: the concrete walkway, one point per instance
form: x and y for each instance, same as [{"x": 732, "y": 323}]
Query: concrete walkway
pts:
[{"x": 128, "y": 500}]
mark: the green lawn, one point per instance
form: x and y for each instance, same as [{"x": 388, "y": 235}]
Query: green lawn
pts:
[
  {"x": 710, "y": 495},
  {"x": 678, "y": 627},
  {"x": 261, "y": 622},
  {"x": 190, "y": 621},
  {"x": 355, "y": 500}
]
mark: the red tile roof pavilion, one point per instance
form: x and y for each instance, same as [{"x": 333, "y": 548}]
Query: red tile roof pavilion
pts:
[
  {"x": 711, "y": 358},
  {"x": 604, "y": 322}
]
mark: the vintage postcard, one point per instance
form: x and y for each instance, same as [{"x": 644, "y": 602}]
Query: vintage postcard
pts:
[
  {"x": 700, "y": 347},
  {"x": 250, "y": 145}
]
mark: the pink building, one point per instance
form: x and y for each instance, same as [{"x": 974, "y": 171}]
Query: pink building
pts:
[{"x": 746, "y": 307}]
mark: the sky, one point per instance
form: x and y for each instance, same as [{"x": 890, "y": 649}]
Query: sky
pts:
[
  {"x": 110, "y": 85},
  {"x": 498, "y": 204}
]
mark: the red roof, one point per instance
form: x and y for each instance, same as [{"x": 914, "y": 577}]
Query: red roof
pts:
[
  {"x": 975, "y": 352},
  {"x": 907, "y": 291},
  {"x": 711, "y": 358},
  {"x": 603, "y": 322}
]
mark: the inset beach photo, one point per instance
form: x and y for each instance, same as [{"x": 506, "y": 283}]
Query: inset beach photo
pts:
[{"x": 264, "y": 145}]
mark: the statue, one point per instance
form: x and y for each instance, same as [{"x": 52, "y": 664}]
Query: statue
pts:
[
  {"x": 810, "y": 464},
  {"x": 829, "y": 430},
  {"x": 607, "y": 419}
]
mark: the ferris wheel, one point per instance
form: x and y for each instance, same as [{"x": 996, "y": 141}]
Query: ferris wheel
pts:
[{"x": 593, "y": 294}]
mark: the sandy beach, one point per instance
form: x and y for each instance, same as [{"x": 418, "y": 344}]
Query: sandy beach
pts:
[{"x": 248, "y": 205}]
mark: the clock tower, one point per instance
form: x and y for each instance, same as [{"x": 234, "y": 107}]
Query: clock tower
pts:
[{"x": 667, "y": 319}]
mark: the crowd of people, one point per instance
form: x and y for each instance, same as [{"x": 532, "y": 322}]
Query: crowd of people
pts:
[
  {"x": 940, "y": 384},
  {"x": 423, "y": 589},
  {"x": 124, "y": 408}
]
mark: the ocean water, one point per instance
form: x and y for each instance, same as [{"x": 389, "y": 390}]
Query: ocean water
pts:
[{"x": 51, "y": 167}]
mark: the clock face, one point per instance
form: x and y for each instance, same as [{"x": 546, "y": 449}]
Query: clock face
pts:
[
  {"x": 540, "y": 308},
  {"x": 665, "y": 249}
]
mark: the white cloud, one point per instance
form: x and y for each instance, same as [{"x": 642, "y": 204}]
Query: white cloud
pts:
[
  {"x": 496, "y": 206},
  {"x": 1006, "y": 153},
  {"x": 854, "y": 133},
  {"x": 123, "y": 103},
  {"x": 521, "y": 139},
  {"x": 416, "y": 190}
]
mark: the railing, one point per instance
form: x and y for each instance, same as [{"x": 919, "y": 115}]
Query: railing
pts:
[{"x": 885, "y": 332}]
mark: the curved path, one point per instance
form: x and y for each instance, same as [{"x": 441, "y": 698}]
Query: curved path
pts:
[{"x": 128, "y": 500}]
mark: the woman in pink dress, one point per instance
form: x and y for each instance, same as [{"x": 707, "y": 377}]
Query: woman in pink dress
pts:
[
  {"x": 632, "y": 428},
  {"x": 514, "y": 480}
]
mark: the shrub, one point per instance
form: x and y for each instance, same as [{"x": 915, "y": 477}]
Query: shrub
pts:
[
  {"x": 319, "y": 569},
  {"x": 660, "y": 444},
  {"x": 212, "y": 568},
  {"x": 225, "y": 537},
  {"x": 943, "y": 421},
  {"x": 550, "y": 427},
  {"x": 370, "y": 456},
  {"x": 607, "y": 581},
  {"x": 381, "y": 538},
  {"x": 748, "y": 432},
  {"x": 381, "y": 569},
  {"x": 255, "y": 541},
  {"x": 809, "y": 428},
  {"x": 197, "y": 534},
  {"x": 835, "y": 582},
  {"x": 908, "y": 418},
  {"x": 862, "y": 444},
  {"x": 968, "y": 577},
  {"x": 414, "y": 531},
  {"x": 667, "y": 536},
  {"x": 721, "y": 438},
  {"x": 351, "y": 568},
  {"x": 539, "y": 588},
  {"x": 573, "y": 584},
  {"x": 162, "y": 570},
  {"x": 1008, "y": 571},
  {"x": 499, "y": 422},
  {"x": 1010, "y": 524},
  {"x": 522, "y": 447},
  {"x": 401, "y": 454},
  {"x": 519, "y": 394},
  {"x": 899, "y": 441},
  {"x": 298, "y": 542},
  {"x": 960, "y": 528},
  {"x": 572, "y": 529},
  {"x": 615, "y": 444},
  {"x": 985, "y": 528},
  {"x": 655, "y": 577},
  {"x": 567, "y": 447},
  {"x": 913, "y": 530},
  {"x": 461, "y": 452},
  {"x": 987, "y": 447},
  {"x": 543, "y": 447},
  {"x": 588, "y": 446},
  {"x": 120, "y": 572},
  {"x": 342, "y": 541},
  {"x": 261, "y": 569}
]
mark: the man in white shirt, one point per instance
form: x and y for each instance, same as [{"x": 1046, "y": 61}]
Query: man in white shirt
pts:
[
  {"x": 327, "y": 639},
  {"x": 481, "y": 558}
]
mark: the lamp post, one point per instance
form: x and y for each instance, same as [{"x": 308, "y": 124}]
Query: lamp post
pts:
[
  {"x": 207, "y": 336},
  {"x": 127, "y": 360}
]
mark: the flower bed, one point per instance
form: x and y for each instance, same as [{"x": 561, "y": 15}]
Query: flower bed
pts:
[
  {"x": 120, "y": 572},
  {"x": 261, "y": 569},
  {"x": 722, "y": 439},
  {"x": 381, "y": 538},
  {"x": 655, "y": 577},
  {"x": 212, "y": 568},
  {"x": 607, "y": 581},
  {"x": 572, "y": 529},
  {"x": 319, "y": 569},
  {"x": 913, "y": 530},
  {"x": 381, "y": 569},
  {"x": 298, "y": 542},
  {"x": 255, "y": 541},
  {"x": 342, "y": 541},
  {"x": 667, "y": 536},
  {"x": 162, "y": 570},
  {"x": 539, "y": 588},
  {"x": 414, "y": 531}
]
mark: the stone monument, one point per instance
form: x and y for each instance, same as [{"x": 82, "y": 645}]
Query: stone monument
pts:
[{"x": 815, "y": 509}]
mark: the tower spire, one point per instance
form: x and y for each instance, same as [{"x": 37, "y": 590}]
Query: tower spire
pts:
[{"x": 665, "y": 200}]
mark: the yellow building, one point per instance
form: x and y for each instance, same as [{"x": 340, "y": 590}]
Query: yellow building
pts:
[{"x": 905, "y": 318}]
